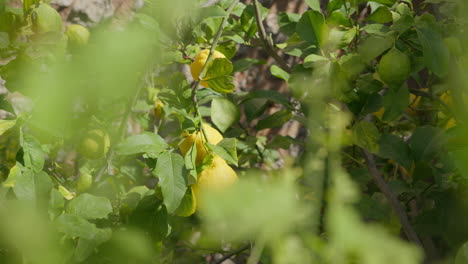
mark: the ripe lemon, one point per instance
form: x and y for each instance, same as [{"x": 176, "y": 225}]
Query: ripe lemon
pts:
[
  {"x": 213, "y": 136},
  {"x": 199, "y": 62},
  {"x": 95, "y": 144},
  {"x": 77, "y": 34},
  {"x": 394, "y": 67},
  {"x": 214, "y": 178}
]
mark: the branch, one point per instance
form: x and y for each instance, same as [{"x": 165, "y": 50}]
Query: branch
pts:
[
  {"x": 234, "y": 253},
  {"x": 391, "y": 197},
  {"x": 266, "y": 41}
]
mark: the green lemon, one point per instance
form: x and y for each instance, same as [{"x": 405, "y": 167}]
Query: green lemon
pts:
[
  {"x": 84, "y": 182},
  {"x": 94, "y": 144},
  {"x": 394, "y": 67},
  {"x": 46, "y": 19},
  {"x": 77, "y": 35}
]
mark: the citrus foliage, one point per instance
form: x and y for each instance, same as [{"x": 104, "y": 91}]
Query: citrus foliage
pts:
[{"x": 111, "y": 153}]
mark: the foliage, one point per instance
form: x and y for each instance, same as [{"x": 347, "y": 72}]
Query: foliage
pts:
[{"x": 111, "y": 153}]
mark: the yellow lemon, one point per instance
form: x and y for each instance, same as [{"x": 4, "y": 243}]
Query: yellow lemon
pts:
[
  {"x": 217, "y": 177},
  {"x": 450, "y": 123},
  {"x": 95, "y": 144},
  {"x": 379, "y": 114},
  {"x": 158, "y": 108},
  {"x": 199, "y": 62},
  {"x": 213, "y": 136}
]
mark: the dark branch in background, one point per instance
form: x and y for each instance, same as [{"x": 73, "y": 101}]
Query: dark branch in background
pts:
[
  {"x": 234, "y": 253},
  {"x": 391, "y": 197},
  {"x": 269, "y": 47}
]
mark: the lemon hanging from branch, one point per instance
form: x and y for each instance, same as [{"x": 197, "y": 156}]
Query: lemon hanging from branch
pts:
[
  {"x": 95, "y": 144},
  {"x": 217, "y": 177},
  {"x": 213, "y": 137},
  {"x": 217, "y": 73}
]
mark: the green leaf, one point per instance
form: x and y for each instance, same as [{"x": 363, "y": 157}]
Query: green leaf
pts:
[
  {"x": 247, "y": 19},
  {"x": 219, "y": 76},
  {"x": 224, "y": 113},
  {"x": 426, "y": 142},
  {"x": 271, "y": 95},
  {"x": 209, "y": 12},
  {"x": 226, "y": 149},
  {"x": 374, "y": 46},
  {"x": 462, "y": 254},
  {"x": 312, "y": 28},
  {"x": 287, "y": 22},
  {"x": 172, "y": 176},
  {"x": 381, "y": 15},
  {"x": 334, "y": 5},
  {"x": 314, "y": 4},
  {"x": 188, "y": 206},
  {"x": 150, "y": 216},
  {"x": 394, "y": 148},
  {"x": 5, "y": 125},
  {"x": 146, "y": 142},
  {"x": 338, "y": 19},
  {"x": 245, "y": 64},
  {"x": 12, "y": 175},
  {"x": 312, "y": 60},
  {"x": 395, "y": 102},
  {"x": 275, "y": 120},
  {"x": 385, "y": 2},
  {"x": 278, "y": 72},
  {"x": 76, "y": 226},
  {"x": 190, "y": 160},
  {"x": 366, "y": 135},
  {"x": 24, "y": 188},
  {"x": 34, "y": 156},
  {"x": 30, "y": 186},
  {"x": 89, "y": 206},
  {"x": 436, "y": 54}
]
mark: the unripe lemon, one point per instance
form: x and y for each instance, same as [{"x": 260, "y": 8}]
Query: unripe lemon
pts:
[
  {"x": 84, "y": 182},
  {"x": 95, "y": 144},
  {"x": 213, "y": 136},
  {"x": 77, "y": 34},
  {"x": 394, "y": 67},
  {"x": 199, "y": 62},
  {"x": 46, "y": 19},
  {"x": 217, "y": 177}
]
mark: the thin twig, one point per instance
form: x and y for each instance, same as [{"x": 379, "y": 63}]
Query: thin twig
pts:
[
  {"x": 234, "y": 253},
  {"x": 391, "y": 197},
  {"x": 266, "y": 41}
]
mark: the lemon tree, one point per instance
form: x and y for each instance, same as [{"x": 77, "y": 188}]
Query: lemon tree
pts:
[{"x": 233, "y": 131}]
